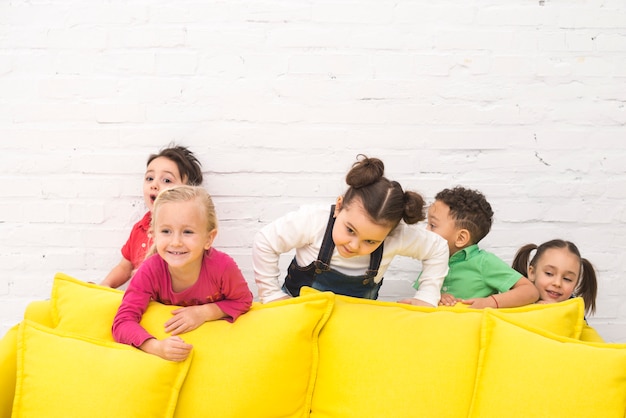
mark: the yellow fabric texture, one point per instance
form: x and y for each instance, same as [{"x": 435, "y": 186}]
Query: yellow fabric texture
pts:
[
  {"x": 591, "y": 335},
  {"x": 263, "y": 365},
  {"x": 40, "y": 311},
  {"x": 63, "y": 375},
  {"x": 8, "y": 370},
  {"x": 390, "y": 359},
  {"x": 528, "y": 372},
  {"x": 83, "y": 308}
]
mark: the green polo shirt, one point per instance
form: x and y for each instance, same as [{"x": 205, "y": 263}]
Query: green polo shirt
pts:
[{"x": 474, "y": 273}]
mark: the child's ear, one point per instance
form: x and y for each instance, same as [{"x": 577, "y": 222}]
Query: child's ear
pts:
[
  {"x": 338, "y": 206},
  {"x": 531, "y": 274},
  {"x": 463, "y": 238},
  {"x": 210, "y": 239}
]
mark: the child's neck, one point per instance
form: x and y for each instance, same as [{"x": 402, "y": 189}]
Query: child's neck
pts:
[{"x": 184, "y": 278}]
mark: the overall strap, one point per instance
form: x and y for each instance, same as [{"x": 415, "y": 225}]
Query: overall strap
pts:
[
  {"x": 326, "y": 251},
  {"x": 375, "y": 259}
]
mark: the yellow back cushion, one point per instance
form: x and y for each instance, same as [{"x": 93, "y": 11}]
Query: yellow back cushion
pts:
[
  {"x": 262, "y": 365},
  {"x": 388, "y": 359},
  {"x": 83, "y": 308},
  {"x": 528, "y": 372},
  {"x": 63, "y": 375}
]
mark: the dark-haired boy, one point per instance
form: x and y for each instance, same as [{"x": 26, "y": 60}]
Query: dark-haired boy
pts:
[{"x": 476, "y": 277}]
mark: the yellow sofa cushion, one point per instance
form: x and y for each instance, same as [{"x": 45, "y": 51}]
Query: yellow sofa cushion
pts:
[
  {"x": 262, "y": 365},
  {"x": 83, "y": 308},
  {"x": 8, "y": 369},
  {"x": 63, "y": 375},
  {"x": 388, "y": 359},
  {"x": 546, "y": 375}
]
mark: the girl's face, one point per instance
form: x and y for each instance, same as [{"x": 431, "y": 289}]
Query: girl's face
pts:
[
  {"x": 162, "y": 173},
  {"x": 354, "y": 233},
  {"x": 181, "y": 234},
  {"x": 555, "y": 274}
]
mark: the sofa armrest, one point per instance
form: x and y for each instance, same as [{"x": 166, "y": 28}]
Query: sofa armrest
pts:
[
  {"x": 8, "y": 370},
  {"x": 41, "y": 312}
]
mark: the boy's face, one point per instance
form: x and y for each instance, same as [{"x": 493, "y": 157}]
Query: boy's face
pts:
[
  {"x": 162, "y": 173},
  {"x": 440, "y": 222}
]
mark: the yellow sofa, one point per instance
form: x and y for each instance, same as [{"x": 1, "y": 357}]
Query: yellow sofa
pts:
[{"x": 319, "y": 355}]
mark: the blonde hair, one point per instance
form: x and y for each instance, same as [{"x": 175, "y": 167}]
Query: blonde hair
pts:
[{"x": 185, "y": 193}]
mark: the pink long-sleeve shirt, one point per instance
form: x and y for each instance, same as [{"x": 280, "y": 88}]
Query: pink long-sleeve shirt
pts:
[{"x": 220, "y": 282}]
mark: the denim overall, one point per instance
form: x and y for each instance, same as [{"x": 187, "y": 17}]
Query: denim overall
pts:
[{"x": 320, "y": 276}]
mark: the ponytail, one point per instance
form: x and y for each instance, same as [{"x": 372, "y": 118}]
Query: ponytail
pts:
[
  {"x": 587, "y": 287},
  {"x": 522, "y": 259}
]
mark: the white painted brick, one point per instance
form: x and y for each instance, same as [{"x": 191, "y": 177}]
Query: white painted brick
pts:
[{"x": 522, "y": 101}]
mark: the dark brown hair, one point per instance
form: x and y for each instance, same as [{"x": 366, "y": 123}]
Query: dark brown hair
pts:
[
  {"x": 469, "y": 209},
  {"x": 587, "y": 285},
  {"x": 383, "y": 200},
  {"x": 189, "y": 167}
]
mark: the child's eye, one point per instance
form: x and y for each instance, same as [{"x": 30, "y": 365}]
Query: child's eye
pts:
[
  {"x": 188, "y": 231},
  {"x": 370, "y": 242},
  {"x": 165, "y": 231},
  {"x": 149, "y": 178},
  {"x": 350, "y": 230},
  {"x": 167, "y": 181},
  {"x": 567, "y": 279}
]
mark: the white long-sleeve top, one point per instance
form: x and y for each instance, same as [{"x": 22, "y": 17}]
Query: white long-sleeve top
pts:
[{"x": 303, "y": 230}]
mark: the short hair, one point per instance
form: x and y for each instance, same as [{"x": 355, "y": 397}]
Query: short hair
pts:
[
  {"x": 469, "y": 209},
  {"x": 189, "y": 166}
]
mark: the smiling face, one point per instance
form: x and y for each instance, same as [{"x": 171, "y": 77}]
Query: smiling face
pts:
[
  {"x": 162, "y": 173},
  {"x": 354, "y": 233},
  {"x": 555, "y": 274},
  {"x": 181, "y": 235}
]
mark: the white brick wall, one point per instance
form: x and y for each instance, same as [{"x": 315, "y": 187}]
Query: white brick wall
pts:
[{"x": 523, "y": 100}]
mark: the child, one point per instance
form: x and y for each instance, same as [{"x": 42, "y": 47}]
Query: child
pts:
[
  {"x": 559, "y": 272},
  {"x": 476, "y": 277},
  {"x": 185, "y": 271},
  {"x": 172, "y": 166},
  {"x": 348, "y": 247}
]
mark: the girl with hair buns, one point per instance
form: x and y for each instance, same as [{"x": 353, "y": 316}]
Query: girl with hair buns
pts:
[
  {"x": 559, "y": 272},
  {"x": 347, "y": 248}
]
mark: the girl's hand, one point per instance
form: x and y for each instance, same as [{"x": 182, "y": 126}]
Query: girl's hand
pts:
[
  {"x": 171, "y": 348},
  {"x": 415, "y": 302},
  {"x": 448, "y": 300},
  {"x": 185, "y": 319}
]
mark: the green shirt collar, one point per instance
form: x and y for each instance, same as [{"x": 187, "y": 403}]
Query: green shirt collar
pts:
[{"x": 464, "y": 254}]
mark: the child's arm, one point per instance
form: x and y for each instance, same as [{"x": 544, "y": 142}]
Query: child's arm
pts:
[
  {"x": 236, "y": 300},
  {"x": 188, "y": 318},
  {"x": 292, "y": 231},
  {"x": 172, "y": 348},
  {"x": 433, "y": 251},
  {"x": 522, "y": 293},
  {"x": 119, "y": 274}
]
